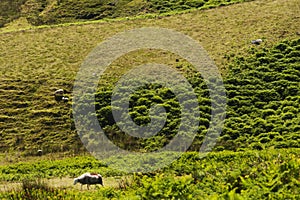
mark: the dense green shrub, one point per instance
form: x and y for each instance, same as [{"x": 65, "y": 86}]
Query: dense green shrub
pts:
[
  {"x": 166, "y": 187},
  {"x": 267, "y": 92}
]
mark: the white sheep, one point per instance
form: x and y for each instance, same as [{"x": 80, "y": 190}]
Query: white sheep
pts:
[
  {"x": 39, "y": 152},
  {"x": 59, "y": 92},
  {"x": 89, "y": 179},
  {"x": 257, "y": 41},
  {"x": 65, "y": 99}
]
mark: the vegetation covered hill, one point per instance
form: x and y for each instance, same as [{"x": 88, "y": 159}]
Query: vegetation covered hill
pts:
[
  {"x": 262, "y": 82},
  {"x": 263, "y": 104},
  {"x": 39, "y": 12}
]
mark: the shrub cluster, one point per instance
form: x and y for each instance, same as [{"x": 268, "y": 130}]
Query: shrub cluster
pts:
[
  {"x": 262, "y": 104},
  {"x": 263, "y": 99}
]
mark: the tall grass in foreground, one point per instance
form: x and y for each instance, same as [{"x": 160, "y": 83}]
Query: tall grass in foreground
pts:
[
  {"x": 35, "y": 189},
  {"x": 272, "y": 174}
]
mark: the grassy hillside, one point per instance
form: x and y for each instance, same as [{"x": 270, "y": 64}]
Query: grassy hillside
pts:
[
  {"x": 34, "y": 63},
  {"x": 39, "y": 12}
]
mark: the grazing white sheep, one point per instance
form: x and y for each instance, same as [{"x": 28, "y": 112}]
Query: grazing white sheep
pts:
[
  {"x": 89, "y": 179},
  {"x": 39, "y": 152},
  {"x": 65, "y": 99},
  {"x": 59, "y": 92},
  {"x": 257, "y": 41}
]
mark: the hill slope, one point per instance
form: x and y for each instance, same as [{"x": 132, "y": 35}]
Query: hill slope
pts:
[
  {"x": 39, "y": 12},
  {"x": 34, "y": 63}
]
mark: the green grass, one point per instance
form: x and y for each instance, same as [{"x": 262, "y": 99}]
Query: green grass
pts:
[
  {"x": 34, "y": 63},
  {"x": 68, "y": 167}
]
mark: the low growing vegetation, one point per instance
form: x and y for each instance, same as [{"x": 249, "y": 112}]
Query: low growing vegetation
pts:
[
  {"x": 262, "y": 110},
  {"x": 271, "y": 174}
]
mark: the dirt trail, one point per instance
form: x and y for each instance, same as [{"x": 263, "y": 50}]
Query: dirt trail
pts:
[{"x": 61, "y": 183}]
